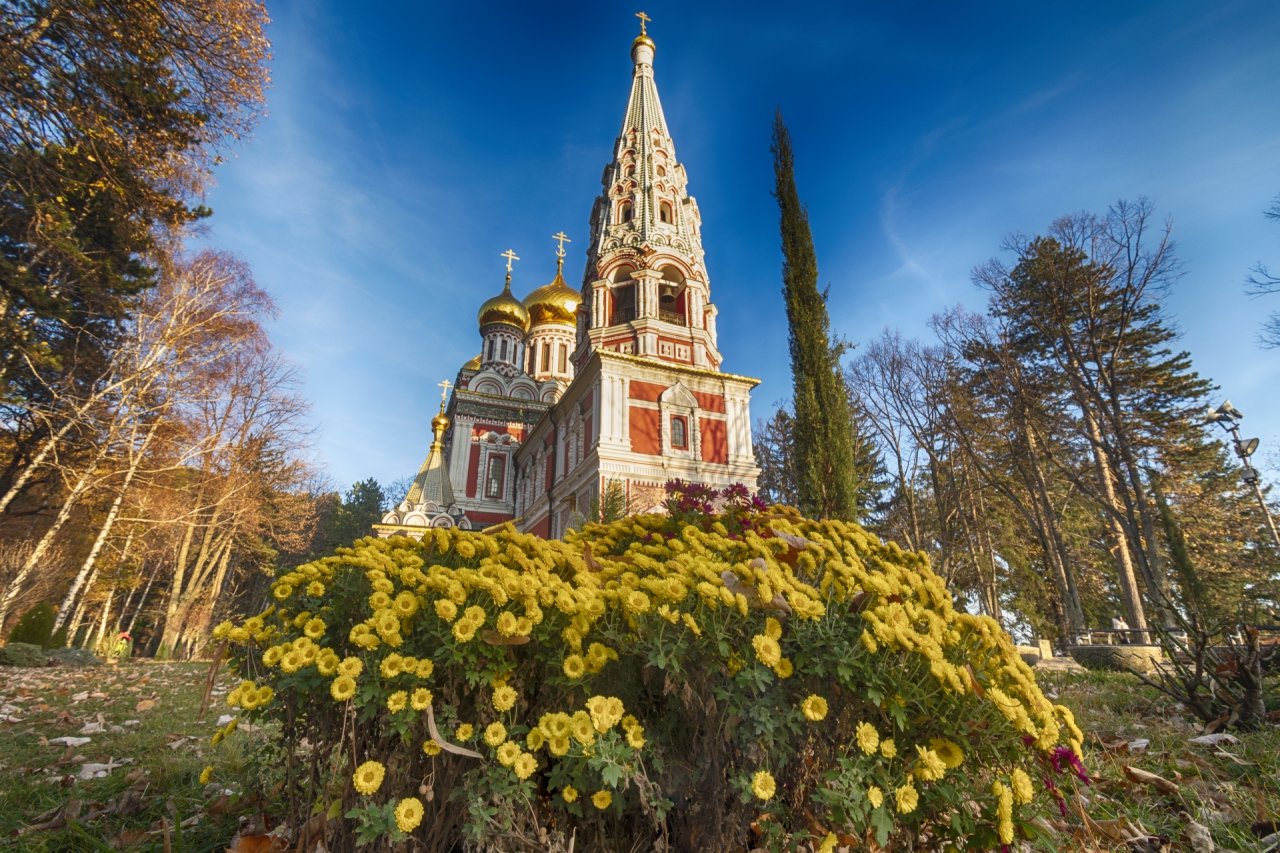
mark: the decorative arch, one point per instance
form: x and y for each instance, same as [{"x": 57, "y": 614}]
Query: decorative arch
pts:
[{"x": 489, "y": 387}]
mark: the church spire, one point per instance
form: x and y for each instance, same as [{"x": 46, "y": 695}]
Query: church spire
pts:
[
  {"x": 645, "y": 263},
  {"x": 432, "y": 483}
]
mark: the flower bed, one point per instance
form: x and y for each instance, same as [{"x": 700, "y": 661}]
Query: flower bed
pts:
[{"x": 692, "y": 681}]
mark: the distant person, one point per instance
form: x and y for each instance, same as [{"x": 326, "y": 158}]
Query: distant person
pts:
[{"x": 1121, "y": 628}]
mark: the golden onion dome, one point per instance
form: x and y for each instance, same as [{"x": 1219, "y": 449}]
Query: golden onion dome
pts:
[
  {"x": 473, "y": 364},
  {"x": 439, "y": 424},
  {"x": 505, "y": 308},
  {"x": 643, "y": 39},
  {"x": 556, "y": 303}
]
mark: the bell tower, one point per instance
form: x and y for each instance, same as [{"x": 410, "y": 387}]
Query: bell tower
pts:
[{"x": 646, "y": 291}]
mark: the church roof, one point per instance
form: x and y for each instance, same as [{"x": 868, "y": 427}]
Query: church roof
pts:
[
  {"x": 556, "y": 302},
  {"x": 432, "y": 483}
]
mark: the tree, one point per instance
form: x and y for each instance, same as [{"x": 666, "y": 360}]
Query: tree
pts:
[
  {"x": 354, "y": 518},
  {"x": 821, "y": 428},
  {"x": 1262, "y": 282},
  {"x": 775, "y": 453}
]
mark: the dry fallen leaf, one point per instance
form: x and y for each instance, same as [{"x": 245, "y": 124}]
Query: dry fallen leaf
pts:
[
  {"x": 1198, "y": 838},
  {"x": 1142, "y": 777},
  {"x": 145, "y": 705}
]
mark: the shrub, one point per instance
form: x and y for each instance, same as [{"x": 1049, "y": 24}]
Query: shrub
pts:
[
  {"x": 22, "y": 654},
  {"x": 35, "y": 626},
  {"x": 74, "y": 657},
  {"x": 699, "y": 680}
]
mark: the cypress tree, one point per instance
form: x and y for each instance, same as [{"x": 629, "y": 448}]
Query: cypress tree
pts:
[{"x": 822, "y": 432}]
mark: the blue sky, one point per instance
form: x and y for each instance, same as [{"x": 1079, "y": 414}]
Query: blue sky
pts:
[{"x": 407, "y": 145}]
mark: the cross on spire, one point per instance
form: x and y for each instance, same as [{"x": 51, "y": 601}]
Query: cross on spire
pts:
[
  {"x": 561, "y": 239},
  {"x": 444, "y": 394},
  {"x": 510, "y": 256},
  {"x": 644, "y": 19}
]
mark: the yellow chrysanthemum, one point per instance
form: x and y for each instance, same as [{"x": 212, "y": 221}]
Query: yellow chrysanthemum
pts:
[
  {"x": 351, "y": 667},
  {"x": 315, "y": 589},
  {"x": 392, "y": 666},
  {"x": 574, "y": 666},
  {"x": 558, "y": 745},
  {"x": 446, "y": 609},
  {"x": 342, "y": 688},
  {"x": 583, "y": 729},
  {"x": 495, "y": 734},
  {"x": 868, "y": 738},
  {"x": 773, "y": 628},
  {"x": 875, "y": 796},
  {"x": 206, "y": 775},
  {"x": 431, "y": 748},
  {"x": 405, "y": 604},
  {"x": 635, "y": 737},
  {"x": 763, "y": 785},
  {"x": 767, "y": 649},
  {"x": 504, "y": 698},
  {"x": 507, "y": 623},
  {"x": 829, "y": 843},
  {"x": 569, "y": 794},
  {"x": 888, "y": 748},
  {"x": 535, "y": 739},
  {"x": 1023, "y": 791},
  {"x": 783, "y": 668},
  {"x": 906, "y": 798},
  {"x": 420, "y": 700},
  {"x": 379, "y": 600},
  {"x": 368, "y": 777},
  {"x": 282, "y": 591},
  {"x": 397, "y": 701},
  {"x": 692, "y": 624},
  {"x": 525, "y": 765},
  {"x": 408, "y": 814},
  {"x": 327, "y": 662},
  {"x": 929, "y": 766},
  {"x": 869, "y": 642},
  {"x": 314, "y": 628},
  {"x": 949, "y": 752},
  {"x": 272, "y": 656},
  {"x": 463, "y": 733},
  {"x": 508, "y": 753},
  {"x": 1004, "y": 812},
  {"x": 601, "y": 799},
  {"x": 292, "y": 662},
  {"x": 814, "y": 708},
  {"x": 464, "y": 630},
  {"x": 424, "y": 669}
]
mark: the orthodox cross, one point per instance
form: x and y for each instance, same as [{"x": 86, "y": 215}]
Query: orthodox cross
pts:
[
  {"x": 644, "y": 19},
  {"x": 562, "y": 239},
  {"x": 446, "y": 385},
  {"x": 510, "y": 256}
]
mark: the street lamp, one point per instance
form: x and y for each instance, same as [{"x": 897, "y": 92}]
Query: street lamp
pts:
[{"x": 1228, "y": 417}]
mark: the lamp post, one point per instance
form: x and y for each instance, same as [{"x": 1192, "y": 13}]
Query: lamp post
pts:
[{"x": 1228, "y": 417}]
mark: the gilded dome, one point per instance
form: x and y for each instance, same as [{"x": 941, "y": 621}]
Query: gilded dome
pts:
[
  {"x": 505, "y": 308},
  {"x": 556, "y": 303},
  {"x": 473, "y": 364}
]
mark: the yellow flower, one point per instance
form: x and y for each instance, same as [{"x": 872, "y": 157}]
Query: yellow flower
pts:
[
  {"x": 583, "y": 729},
  {"x": 327, "y": 662},
  {"x": 314, "y": 628},
  {"x": 907, "y": 798},
  {"x": 223, "y": 629},
  {"x": 569, "y": 794},
  {"x": 464, "y": 732},
  {"x": 351, "y": 667},
  {"x": 368, "y": 777},
  {"x": 507, "y": 623},
  {"x": 1023, "y": 792},
  {"x": 767, "y": 649},
  {"x": 397, "y": 701},
  {"x": 929, "y": 766},
  {"x": 558, "y": 745},
  {"x": 763, "y": 785},
  {"x": 475, "y": 614},
  {"x": 635, "y": 737},
  {"x": 379, "y": 600},
  {"x": 282, "y": 591},
  {"x": 217, "y": 738},
  {"x": 535, "y": 739},
  {"x": 949, "y": 752},
  {"x": 868, "y": 738},
  {"x": 495, "y": 734},
  {"x": 292, "y": 662},
  {"x": 525, "y": 765},
  {"x": 508, "y": 753},
  {"x": 601, "y": 799},
  {"x": 573, "y": 666},
  {"x": 265, "y": 695},
  {"x": 421, "y": 699},
  {"x": 392, "y": 665},
  {"x": 272, "y": 656},
  {"x": 875, "y": 796},
  {"x": 405, "y": 604},
  {"x": 315, "y": 589},
  {"x": 424, "y": 669},
  {"x": 773, "y": 628},
  {"x": 1004, "y": 812},
  {"x": 692, "y": 623},
  {"x": 556, "y": 725},
  {"x": 465, "y": 550},
  {"x": 446, "y": 609},
  {"x": 408, "y": 814},
  {"x": 464, "y": 630},
  {"x": 504, "y": 698},
  {"x": 431, "y": 748},
  {"x": 342, "y": 688},
  {"x": 869, "y": 642},
  {"x": 206, "y": 775},
  {"x": 814, "y": 708},
  {"x": 783, "y": 668},
  {"x": 888, "y": 748},
  {"x": 829, "y": 843}
]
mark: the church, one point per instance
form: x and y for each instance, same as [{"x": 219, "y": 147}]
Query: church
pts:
[{"x": 617, "y": 386}]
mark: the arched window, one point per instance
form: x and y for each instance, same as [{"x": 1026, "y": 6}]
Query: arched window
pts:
[
  {"x": 629, "y": 171},
  {"x": 496, "y": 476},
  {"x": 563, "y": 366},
  {"x": 679, "y": 433},
  {"x": 546, "y": 358},
  {"x": 662, "y": 171},
  {"x": 502, "y": 350},
  {"x": 624, "y": 212},
  {"x": 664, "y": 213},
  {"x": 490, "y": 350}
]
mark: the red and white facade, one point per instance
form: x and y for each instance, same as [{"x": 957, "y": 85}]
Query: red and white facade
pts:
[{"x": 621, "y": 381}]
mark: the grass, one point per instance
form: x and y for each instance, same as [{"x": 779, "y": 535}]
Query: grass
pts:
[
  {"x": 166, "y": 752},
  {"x": 1226, "y": 794}
]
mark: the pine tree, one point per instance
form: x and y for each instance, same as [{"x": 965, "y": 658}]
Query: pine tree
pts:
[{"x": 822, "y": 431}]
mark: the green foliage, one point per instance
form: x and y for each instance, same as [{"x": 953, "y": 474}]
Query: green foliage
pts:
[
  {"x": 822, "y": 432},
  {"x": 35, "y": 626},
  {"x": 354, "y": 518},
  {"x": 22, "y": 654}
]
